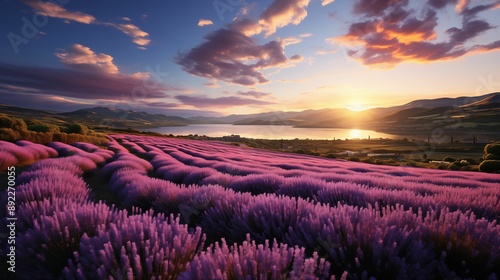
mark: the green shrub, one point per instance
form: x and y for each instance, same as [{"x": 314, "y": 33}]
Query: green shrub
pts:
[
  {"x": 492, "y": 148},
  {"x": 44, "y": 127},
  {"x": 490, "y": 166},
  {"x": 77, "y": 128},
  {"x": 13, "y": 123},
  {"x": 300, "y": 152},
  {"x": 491, "y": 157},
  {"x": 331, "y": 156},
  {"x": 353, "y": 159},
  {"x": 379, "y": 161}
]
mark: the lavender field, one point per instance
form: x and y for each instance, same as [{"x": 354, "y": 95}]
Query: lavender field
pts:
[{"x": 167, "y": 208}]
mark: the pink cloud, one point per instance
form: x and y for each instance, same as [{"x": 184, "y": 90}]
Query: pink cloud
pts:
[
  {"x": 204, "y": 22},
  {"x": 392, "y": 33},
  {"x": 139, "y": 37},
  {"x": 233, "y": 57},
  {"x": 56, "y": 11},
  {"x": 82, "y": 57},
  {"x": 326, "y": 2},
  {"x": 282, "y": 13},
  {"x": 253, "y": 93},
  {"x": 87, "y": 75},
  {"x": 50, "y": 9}
]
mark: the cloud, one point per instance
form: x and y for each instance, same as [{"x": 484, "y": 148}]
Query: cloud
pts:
[
  {"x": 326, "y": 2},
  {"x": 461, "y": 5},
  {"x": 281, "y": 13},
  {"x": 377, "y": 7},
  {"x": 52, "y": 10},
  {"x": 162, "y": 104},
  {"x": 296, "y": 58},
  {"x": 232, "y": 57},
  {"x": 75, "y": 83},
  {"x": 220, "y": 102},
  {"x": 290, "y": 41},
  {"x": 81, "y": 57},
  {"x": 325, "y": 51},
  {"x": 139, "y": 37},
  {"x": 212, "y": 85},
  {"x": 253, "y": 93},
  {"x": 246, "y": 27},
  {"x": 203, "y": 22},
  {"x": 87, "y": 75},
  {"x": 391, "y": 32},
  {"x": 41, "y": 102},
  {"x": 305, "y": 35}
]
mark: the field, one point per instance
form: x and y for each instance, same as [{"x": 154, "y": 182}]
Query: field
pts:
[{"x": 143, "y": 207}]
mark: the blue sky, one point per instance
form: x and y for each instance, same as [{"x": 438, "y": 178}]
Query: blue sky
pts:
[{"x": 213, "y": 57}]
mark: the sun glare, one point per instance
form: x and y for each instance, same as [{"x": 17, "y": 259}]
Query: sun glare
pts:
[
  {"x": 355, "y": 133},
  {"x": 356, "y": 107}
]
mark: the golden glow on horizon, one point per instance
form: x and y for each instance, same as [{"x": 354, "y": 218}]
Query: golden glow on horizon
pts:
[
  {"x": 356, "y": 107},
  {"x": 355, "y": 133}
]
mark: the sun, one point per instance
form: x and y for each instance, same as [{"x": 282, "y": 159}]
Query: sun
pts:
[
  {"x": 355, "y": 134},
  {"x": 356, "y": 107}
]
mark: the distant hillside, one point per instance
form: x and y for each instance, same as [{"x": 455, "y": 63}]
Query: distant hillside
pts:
[
  {"x": 124, "y": 118},
  {"x": 98, "y": 116},
  {"x": 480, "y": 113}
]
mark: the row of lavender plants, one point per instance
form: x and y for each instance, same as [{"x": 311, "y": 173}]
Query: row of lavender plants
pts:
[
  {"x": 356, "y": 230},
  {"x": 326, "y": 181},
  {"x": 346, "y": 237},
  {"x": 63, "y": 233}
]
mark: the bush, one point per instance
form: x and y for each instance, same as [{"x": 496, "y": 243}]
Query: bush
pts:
[
  {"x": 13, "y": 123},
  {"x": 454, "y": 166},
  {"x": 410, "y": 163},
  {"x": 354, "y": 159},
  {"x": 490, "y": 166},
  {"x": 300, "y": 152},
  {"x": 492, "y": 148},
  {"x": 491, "y": 157},
  {"x": 470, "y": 160},
  {"x": 78, "y": 128},
  {"x": 9, "y": 134},
  {"x": 449, "y": 159},
  {"x": 43, "y": 127},
  {"x": 331, "y": 156}
]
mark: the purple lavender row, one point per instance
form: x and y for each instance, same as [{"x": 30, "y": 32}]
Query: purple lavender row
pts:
[
  {"x": 22, "y": 153},
  {"x": 58, "y": 222},
  {"x": 402, "y": 239},
  {"x": 358, "y": 190}
]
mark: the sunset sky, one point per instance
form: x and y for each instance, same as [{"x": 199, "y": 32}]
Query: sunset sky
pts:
[{"x": 213, "y": 57}]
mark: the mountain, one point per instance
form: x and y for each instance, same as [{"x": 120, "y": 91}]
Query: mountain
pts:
[
  {"x": 98, "y": 116},
  {"x": 124, "y": 118},
  {"x": 479, "y": 113}
]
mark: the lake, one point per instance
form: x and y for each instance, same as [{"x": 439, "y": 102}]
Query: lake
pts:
[{"x": 270, "y": 131}]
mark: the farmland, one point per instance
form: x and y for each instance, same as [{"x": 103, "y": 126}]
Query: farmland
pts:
[{"x": 140, "y": 207}]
